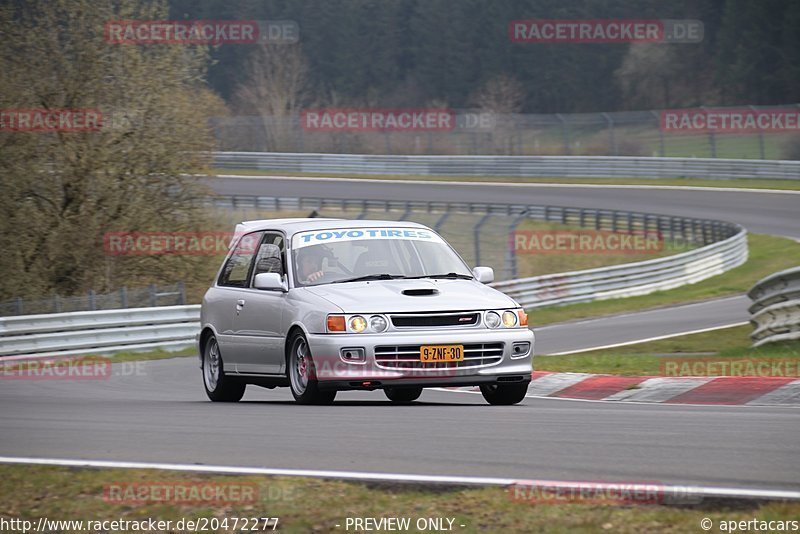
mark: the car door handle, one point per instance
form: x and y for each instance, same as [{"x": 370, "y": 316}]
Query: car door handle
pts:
[{"x": 240, "y": 303}]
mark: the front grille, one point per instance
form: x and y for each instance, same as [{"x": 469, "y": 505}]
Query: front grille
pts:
[
  {"x": 435, "y": 320},
  {"x": 407, "y": 357}
]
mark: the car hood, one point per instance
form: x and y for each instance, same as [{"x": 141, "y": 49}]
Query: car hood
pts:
[{"x": 398, "y": 296}]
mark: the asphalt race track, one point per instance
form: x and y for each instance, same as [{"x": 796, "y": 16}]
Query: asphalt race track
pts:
[
  {"x": 759, "y": 212},
  {"x": 638, "y": 326},
  {"x": 157, "y": 411},
  {"x": 161, "y": 414}
]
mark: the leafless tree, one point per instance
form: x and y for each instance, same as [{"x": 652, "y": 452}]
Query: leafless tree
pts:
[{"x": 275, "y": 90}]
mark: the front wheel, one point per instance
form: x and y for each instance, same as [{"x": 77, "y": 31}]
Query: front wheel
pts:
[
  {"x": 302, "y": 376},
  {"x": 402, "y": 395},
  {"x": 504, "y": 394},
  {"x": 219, "y": 387}
]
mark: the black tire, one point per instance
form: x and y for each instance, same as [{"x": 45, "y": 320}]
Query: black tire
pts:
[
  {"x": 219, "y": 386},
  {"x": 402, "y": 395},
  {"x": 504, "y": 394},
  {"x": 302, "y": 374}
]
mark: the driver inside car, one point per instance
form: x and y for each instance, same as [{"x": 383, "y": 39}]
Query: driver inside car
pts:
[{"x": 309, "y": 262}]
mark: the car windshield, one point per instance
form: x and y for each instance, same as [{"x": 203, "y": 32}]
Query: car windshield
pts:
[{"x": 358, "y": 254}]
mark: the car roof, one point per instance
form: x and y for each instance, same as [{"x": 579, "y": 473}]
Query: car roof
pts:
[{"x": 296, "y": 225}]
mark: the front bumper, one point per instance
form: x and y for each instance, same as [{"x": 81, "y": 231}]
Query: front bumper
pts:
[{"x": 332, "y": 371}]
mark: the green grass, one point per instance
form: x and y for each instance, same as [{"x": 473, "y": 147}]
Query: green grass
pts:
[
  {"x": 535, "y": 264},
  {"x": 158, "y": 354},
  {"x": 789, "y": 185},
  {"x": 646, "y": 359},
  {"x": 768, "y": 254},
  {"x": 304, "y": 505}
]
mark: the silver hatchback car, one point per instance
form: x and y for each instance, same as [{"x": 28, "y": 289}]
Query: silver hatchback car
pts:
[{"x": 323, "y": 305}]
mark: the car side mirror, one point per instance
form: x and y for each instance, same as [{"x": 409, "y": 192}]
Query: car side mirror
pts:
[
  {"x": 269, "y": 281},
  {"x": 484, "y": 275}
]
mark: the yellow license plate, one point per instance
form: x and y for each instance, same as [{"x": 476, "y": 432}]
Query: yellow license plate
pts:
[{"x": 441, "y": 353}]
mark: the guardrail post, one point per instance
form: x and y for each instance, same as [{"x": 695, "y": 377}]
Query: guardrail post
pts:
[
  {"x": 511, "y": 256},
  {"x": 564, "y": 133},
  {"x": 56, "y": 303},
  {"x": 661, "y": 151},
  {"x": 153, "y": 295},
  {"x": 612, "y": 139},
  {"x": 363, "y": 212},
  {"x": 713, "y": 144},
  {"x": 181, "y": 293},
  {"x": 18, "y": 305},
  {"x": 476, "y": 231},
  {"x": 123, "y": 297},
  {"x": 388, "y": 142},
  {"x": 760, "y": 137},
  {"x": 438, "y": 225},
  {"x": 92, "y": 303},
  {"x": 406, "y": 211}
]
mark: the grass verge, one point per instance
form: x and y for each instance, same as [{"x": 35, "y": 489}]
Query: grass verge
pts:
[
  {"x": 646, "y": 359},
  {"x": 788, "y": 185},
  {"x": 312, "y": 505},
  {"x": 158, "y": 354},
  {"x": 768, "y": 254}
]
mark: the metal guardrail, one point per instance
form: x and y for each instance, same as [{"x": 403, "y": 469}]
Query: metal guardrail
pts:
[
  {"x": 124, "y": 297},
  {"x": 724, "y": 247},
  {"x": 491, "y": 226},
  {"x": 630, "y": 279},
  {"x": 520, "y": 166},
  {"x": 775, "y": 312},
  {"x": 67, "y": 334}
]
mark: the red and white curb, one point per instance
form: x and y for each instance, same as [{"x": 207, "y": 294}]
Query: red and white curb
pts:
[{"x": 712, "y": 390}]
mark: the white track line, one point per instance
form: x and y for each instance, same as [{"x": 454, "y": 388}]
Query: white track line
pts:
[
  {"x": 625, "y": 403},
  {"x": 508, "y": 184},
  {"x": 645, "y": 340},
  {"x": 657, "y": 309},
  {"x": 701, "y": 491}
]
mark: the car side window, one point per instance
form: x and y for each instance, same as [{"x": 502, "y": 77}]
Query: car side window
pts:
[
  {"x": 270, "y": 257},
  {"x": 236, "y": 272}
]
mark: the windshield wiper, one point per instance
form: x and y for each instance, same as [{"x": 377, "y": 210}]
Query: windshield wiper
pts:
[
  {"x": 445, "y": 275},
  {"x": 382, "y": 276}
]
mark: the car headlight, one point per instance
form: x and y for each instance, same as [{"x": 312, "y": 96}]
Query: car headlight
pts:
[
  {"x": 358, "y": 323},
  {"x": 377, "y": 323},
  {"x": 492, "y": 319},
  {"x": 509, "y": 319}
]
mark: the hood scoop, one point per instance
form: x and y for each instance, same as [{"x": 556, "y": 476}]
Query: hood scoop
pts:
[{"x": 421, "y": 292}]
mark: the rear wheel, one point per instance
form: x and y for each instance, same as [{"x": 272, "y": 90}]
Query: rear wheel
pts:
[
  {"x": 504, "y": 394},
  {"x": 219, "y": 387},
  {"x": 302, "y": 376},
  {"x": 402, "y": 395}
]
